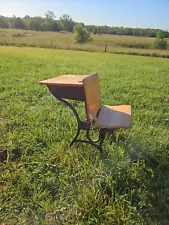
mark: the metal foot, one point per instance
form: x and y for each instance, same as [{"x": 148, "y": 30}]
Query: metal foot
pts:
[{"x": 100, "y": 140}]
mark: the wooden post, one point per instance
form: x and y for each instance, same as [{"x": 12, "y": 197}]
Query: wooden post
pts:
[{"x": 105, "y": 49}]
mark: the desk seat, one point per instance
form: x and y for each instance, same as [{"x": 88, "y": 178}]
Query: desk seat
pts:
[{"x": 114, "y": 117}]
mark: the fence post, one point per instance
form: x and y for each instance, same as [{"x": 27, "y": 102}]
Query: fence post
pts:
[{"x": 105, "y": 49}]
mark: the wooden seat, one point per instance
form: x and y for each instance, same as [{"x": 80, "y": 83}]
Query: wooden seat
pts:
[
  {"x": 107, "y": 117},
  {"x": 114, "y": 117}
]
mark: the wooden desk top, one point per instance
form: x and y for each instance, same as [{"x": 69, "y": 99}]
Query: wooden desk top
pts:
[{"x": 65, "y": 80}]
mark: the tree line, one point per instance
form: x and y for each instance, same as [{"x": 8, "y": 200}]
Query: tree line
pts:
[
  {"x": 48, "y": 23},
  {"x": 66, "y": 23}
]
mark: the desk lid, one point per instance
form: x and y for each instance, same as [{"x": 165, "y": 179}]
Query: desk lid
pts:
[{"x": 65, "y": 80}]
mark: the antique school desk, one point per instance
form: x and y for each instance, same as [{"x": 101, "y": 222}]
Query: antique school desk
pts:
[{"x": 86, "y": 88}]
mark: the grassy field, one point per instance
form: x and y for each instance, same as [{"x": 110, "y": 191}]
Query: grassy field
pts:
[
  {"x": 42, "y": 181},
  {"x": 62, "y": 40}
]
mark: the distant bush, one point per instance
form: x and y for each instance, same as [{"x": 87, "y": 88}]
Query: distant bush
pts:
[
  {"x": 81, "y": 34},
  {"x": 160, "y": 42},
  {"x": 136, "y": 45},
  {"x": 18, "y": 35}
]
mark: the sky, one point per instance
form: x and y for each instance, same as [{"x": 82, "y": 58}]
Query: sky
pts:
[{"x": 126, "y": 13}]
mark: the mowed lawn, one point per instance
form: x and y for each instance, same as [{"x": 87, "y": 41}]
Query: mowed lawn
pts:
[{"x": 42, "y": 181}]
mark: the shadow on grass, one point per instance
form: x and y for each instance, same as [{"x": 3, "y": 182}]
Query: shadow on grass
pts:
[{"x": 140, "y": 173}]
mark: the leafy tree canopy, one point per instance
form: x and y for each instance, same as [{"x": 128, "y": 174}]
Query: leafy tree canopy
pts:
[
  {"x": 81, "y": 34},
  {"x": 160, "y": 42}
]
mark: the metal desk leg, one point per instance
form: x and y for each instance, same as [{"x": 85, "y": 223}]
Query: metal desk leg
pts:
[
  {"x": 81, "y": 125},
  {"x": 85, "y": 126}
]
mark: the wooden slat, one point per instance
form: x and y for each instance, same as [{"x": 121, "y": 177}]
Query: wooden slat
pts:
[
  {"x": 65, "y": 80},
  {"x": 93, "y": 95},
  {"x": 113, "y": 117}
]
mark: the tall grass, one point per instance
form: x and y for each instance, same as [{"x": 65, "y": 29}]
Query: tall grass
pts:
[{"x": 115, "y": 44}]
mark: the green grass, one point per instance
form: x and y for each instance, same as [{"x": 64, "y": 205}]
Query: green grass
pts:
[
  {"x": 62, "y": 40},
  {"x": 42, "y": 181}
]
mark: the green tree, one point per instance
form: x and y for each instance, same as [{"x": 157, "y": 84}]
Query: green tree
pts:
[
  {"x": 81, "y": 34},
  {"x": 55, "y": 26},
  {"x": 36, "y": 24},
  {"x": 4, "y": 23},
  {"x": 19, "y": 24},
  {"x": 160, "y": 42},
  {"x": 66, "y": 23},
  {"x": 27, "y": 21},
  {"x": 49, "y": 20},
  {"x": 50, "y": 15}
]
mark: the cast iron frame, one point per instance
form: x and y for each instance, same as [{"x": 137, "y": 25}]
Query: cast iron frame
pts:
[{"x": 86, "y": 126}]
